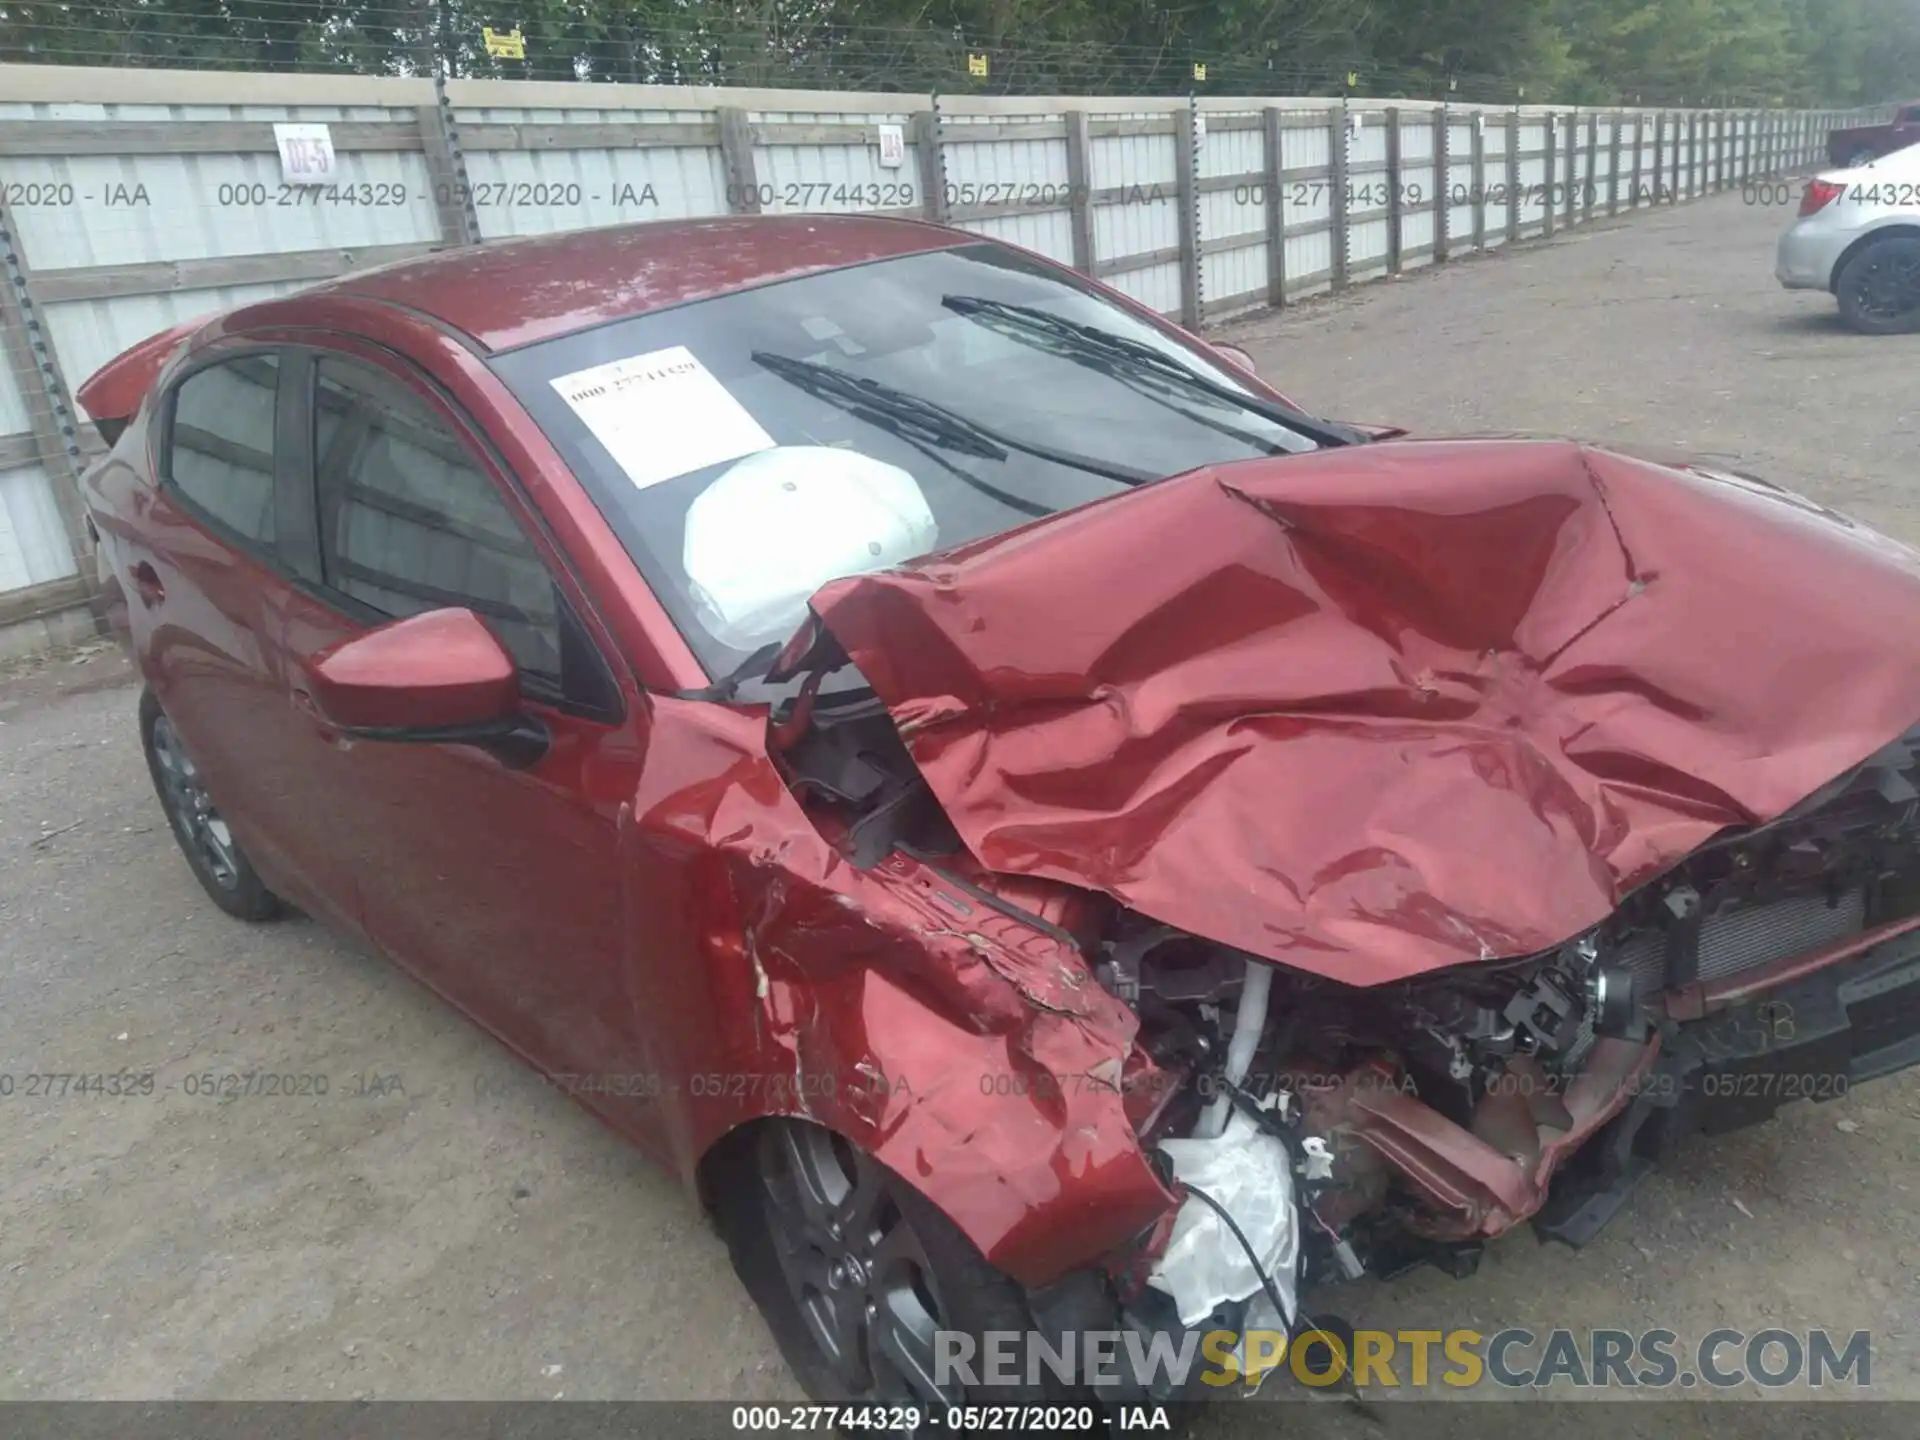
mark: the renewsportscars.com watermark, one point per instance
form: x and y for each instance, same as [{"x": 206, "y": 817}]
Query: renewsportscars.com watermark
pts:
[{"x": 1511, "y": 1359}]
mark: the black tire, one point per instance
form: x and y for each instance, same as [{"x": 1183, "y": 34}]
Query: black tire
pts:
[
  {"x": 213, "y": 854},
  {"x": 1879, "y": 287},
  {"x": 903, "y": 1266}
]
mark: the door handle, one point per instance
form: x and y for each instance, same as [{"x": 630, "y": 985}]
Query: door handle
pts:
[{"x": 146, "y": 584}]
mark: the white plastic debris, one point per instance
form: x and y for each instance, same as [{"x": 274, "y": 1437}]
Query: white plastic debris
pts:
[{"x": 1250, "y": 1174}]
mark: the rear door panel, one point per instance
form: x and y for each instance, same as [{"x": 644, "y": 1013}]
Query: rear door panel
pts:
[{"x": 208, "y": 589}]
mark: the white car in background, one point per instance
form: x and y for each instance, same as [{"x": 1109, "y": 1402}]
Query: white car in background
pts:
[{"x": 1858, "y": 237}]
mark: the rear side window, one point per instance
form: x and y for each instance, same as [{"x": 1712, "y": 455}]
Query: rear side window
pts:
[
  {"x": 220, "y": 445},
  {"x": 410, "y": 522}
]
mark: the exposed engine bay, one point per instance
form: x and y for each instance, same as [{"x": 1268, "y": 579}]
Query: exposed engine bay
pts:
[{"x": 1347, "y": 1130}]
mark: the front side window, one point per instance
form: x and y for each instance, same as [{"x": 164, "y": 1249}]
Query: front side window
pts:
[
  {"x": 748, "y": 448},
  {"x": 410, "y": 522},
  {"x": 220, "y": 444}
]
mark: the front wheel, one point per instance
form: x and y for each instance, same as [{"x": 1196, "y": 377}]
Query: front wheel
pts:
[
  {"x": 1879, "y": 287},
  {"x": 858, "y": 1274},
  {"x": 215, "y": 857}
]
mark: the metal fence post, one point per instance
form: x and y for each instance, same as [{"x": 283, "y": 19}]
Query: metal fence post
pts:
[
  {"x": 1394, "y": 226},
  {"x": 1659, "y": 154},
  {"x": 1273, "y": 121},
  {"x": 1593, "y": 166},
  {"x": 1639, "y": 158},
  {"x": 931, "y": 164},
  {"x": 1442, "y": 182},
  {"x": 1080, "y": 189},
  {"x": 1551, "y": 192},
  {"x": 1613, "y": 163},
  {"x": 1186, "y": 163},
  {"x": 453, "y": 205},
  {"x": 1513, "y": 175},
  {"x": 29, "y": 351},
  {"x": 1479, "y": 180},
  {"x": 737, "y": 159},
  {"x": 1337, "y": 137},
  {"x": 1573, "y": 164}
]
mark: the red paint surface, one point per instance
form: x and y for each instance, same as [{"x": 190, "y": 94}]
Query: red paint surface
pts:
[
  {"x": 441, "y": 668},
  {"x": 548, "y": 285},
  {"x": 1383, "y": 709},
  {"x": 115, "y": 390},
  {"x": 1366, "y": 712},
  {"x": 647, "y": 907}
]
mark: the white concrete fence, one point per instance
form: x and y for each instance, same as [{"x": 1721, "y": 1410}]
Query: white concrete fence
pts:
[{"x": 133, "y": 200}]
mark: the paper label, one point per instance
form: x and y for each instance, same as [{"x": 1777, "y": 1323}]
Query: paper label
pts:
[
  {"x": 893, "y": 146},
  {"x": 306, "y": 153},
  {"x": 661, "y": 415}
]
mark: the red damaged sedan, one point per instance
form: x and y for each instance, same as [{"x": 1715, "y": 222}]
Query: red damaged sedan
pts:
[{"x": 1037, "y": 831}]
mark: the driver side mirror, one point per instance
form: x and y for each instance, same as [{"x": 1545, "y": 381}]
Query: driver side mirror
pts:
[{"x": 438, "y": 678}]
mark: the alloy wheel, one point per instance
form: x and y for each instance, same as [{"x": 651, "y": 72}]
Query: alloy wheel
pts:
[
  {"x": 1887, "y": 286},
  {"x": 858, "y": 1273},
  {"x": 204, "y": 834}
]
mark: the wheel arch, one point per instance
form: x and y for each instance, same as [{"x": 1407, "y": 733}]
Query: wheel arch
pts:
[{"x": 1898, "y": 229}]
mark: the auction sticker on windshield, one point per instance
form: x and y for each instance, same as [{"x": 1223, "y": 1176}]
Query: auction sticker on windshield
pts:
[{"x": 661, "y": 414}]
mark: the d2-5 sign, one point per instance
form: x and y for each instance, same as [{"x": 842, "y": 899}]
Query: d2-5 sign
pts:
[{"x": 306, "y": 153}]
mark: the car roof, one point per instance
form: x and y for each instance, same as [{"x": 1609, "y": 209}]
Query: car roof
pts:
[{"x": 516, "y": 292}]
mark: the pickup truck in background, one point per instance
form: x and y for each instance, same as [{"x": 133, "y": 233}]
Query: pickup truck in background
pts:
[{"x": 1850, "y": 149}]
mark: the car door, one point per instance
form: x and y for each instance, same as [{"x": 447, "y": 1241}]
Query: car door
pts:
[
  {"x": 213, "y": 566},
  {"x": 499, "y": 887}
]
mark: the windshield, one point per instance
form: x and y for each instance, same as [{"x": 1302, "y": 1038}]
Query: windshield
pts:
[{"x": 748, "y": 448}]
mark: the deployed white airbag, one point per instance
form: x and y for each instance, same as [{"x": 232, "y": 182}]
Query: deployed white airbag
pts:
[
  {"x": 1251, "y": 1174},
  {"x": 781, "y": 523}
]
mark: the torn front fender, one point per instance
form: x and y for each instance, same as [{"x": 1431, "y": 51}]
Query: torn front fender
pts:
[
  {"x": 973, "y": 1054},
  {"x": 1382, "y": 709}
]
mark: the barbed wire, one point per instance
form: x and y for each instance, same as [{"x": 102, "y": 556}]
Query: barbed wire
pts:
[{"x": 288, "y": 36}]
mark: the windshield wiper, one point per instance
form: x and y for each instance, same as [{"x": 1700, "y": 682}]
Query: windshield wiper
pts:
[
  {"x": 1103, "y": 350},
  {"x": 926, "y": 422},
  {"x": 754, "y": 667}
]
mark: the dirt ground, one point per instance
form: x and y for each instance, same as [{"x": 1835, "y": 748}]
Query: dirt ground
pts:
[{"x": 440, "y": 1226}]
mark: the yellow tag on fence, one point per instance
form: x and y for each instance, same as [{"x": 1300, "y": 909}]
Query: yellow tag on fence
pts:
[
  {"x": 504, "y": 44},
  {"x": 1199, "y": 71},
  {"x": 977, "y": 66}
]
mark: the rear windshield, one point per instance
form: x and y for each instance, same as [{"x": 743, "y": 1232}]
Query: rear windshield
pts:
[{"x": 749, "y": 447}]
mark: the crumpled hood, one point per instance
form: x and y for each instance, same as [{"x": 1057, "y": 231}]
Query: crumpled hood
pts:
[{"x": 1373, "y": 711}]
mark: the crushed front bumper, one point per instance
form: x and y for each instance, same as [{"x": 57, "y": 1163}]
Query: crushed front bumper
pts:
[
  {"x": 1811, "y": 1037},
  {"x": 1808, "y": 1039}
]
